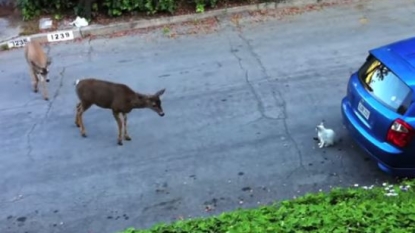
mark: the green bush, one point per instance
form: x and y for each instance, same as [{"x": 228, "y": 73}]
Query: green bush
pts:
[
  {"x": 33, "y": 8},
  {"x": 118, "y": 7},
  {"x": 389, "y": 209},
  {"x": 201, "y": 4}
]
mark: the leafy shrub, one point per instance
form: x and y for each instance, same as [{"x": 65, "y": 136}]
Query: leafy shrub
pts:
[
  {"x": 201, "y": 4},
  {"x": 355, "y": 210},
  {"x": 33, "y": 8},
  {"x": 117, "y": 7},
  {"x": 86, "y": 8}
]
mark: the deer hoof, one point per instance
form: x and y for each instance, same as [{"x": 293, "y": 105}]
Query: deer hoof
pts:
[
  {"x": 127, "y": 138},
  {"x": 119, "y": 143},
  {"x": 35, "y": 90},
  {"x": 83, "y": 135},
  {"x": 46, "y": 98}
]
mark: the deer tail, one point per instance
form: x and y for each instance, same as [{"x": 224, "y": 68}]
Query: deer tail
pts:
[{"x": 76, "y": 82}]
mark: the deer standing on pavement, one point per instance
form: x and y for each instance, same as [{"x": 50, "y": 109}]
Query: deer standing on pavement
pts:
[
  {"x": 38, "y": 62},
  {"x": 118, "y": 97}
]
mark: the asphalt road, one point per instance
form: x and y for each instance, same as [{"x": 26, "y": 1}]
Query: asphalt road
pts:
[{"x": 241, "y": 107}]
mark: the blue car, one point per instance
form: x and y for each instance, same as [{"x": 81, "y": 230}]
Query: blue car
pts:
[{"x": 378, "y": 110}]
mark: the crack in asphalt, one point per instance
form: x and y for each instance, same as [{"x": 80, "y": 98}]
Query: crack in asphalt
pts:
[
  {"x": 260, "y": 105},
  {"x": 90, "y": 49},
  {"x": 20, "y": 106},
  {"x": 29, "y": 142},
  {"x": 62, "y": 73},
  {"x": 29, "y": 134},
  {"x": 280, "y": 97}
]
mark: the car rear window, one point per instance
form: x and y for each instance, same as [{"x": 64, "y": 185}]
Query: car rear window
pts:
[{"x": 385, "y": 86}]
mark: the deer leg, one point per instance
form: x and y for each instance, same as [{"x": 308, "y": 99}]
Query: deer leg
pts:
[
  {"x": 126, "y": 136},
  {"x": 35, "y": 80},
  {"x": 119, "y": 124},
  {"x": 80, "y": 110},
  {"x": 78, "y": 105},
  {"x": 45, "y": 90}
]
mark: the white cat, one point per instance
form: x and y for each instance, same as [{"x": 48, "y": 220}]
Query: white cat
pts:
[{"x": 325, "y": 136}]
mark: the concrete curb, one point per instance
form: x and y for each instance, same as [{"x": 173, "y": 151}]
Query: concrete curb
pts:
[{"x": 101, "y": 30}]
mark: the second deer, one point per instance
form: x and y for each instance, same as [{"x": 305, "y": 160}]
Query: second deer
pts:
[
  {"x": 118, "y": 97},
  {"x": 38, "y": 62}
]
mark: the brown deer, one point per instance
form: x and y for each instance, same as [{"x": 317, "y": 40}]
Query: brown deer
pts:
[
  {"x": 38, "y": 63},
  {"x": 118, "y": 97}
]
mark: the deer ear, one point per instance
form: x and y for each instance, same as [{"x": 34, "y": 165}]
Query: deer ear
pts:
[{"x": 161, "y": 92}]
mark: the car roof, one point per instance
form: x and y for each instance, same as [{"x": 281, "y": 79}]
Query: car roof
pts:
[{"x": 399, "y": 57}]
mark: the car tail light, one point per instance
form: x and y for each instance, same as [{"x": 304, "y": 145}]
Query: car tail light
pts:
[{"x": 400, "y": 133}]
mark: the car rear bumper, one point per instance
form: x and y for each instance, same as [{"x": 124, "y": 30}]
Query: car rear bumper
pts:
[{"x": 389, "y": 158}]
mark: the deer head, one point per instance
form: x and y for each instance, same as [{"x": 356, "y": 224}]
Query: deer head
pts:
[
  {"x": 42, "y": 71},
  {"x": 48, "y": 61},
  {"x": 153, "y": 102}
]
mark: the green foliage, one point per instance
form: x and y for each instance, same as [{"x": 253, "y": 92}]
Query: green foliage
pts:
[
  {"x": 4, "y": 47},
  {"x": 201, "y": 4},
  {"x": 353, "y": 210},
  {"x": 33, "y": 8},
  {"x": 118, "y": 7}
]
